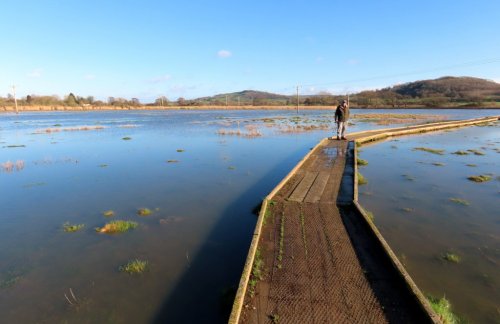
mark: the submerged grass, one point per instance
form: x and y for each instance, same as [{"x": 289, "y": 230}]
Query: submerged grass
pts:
[
  {"x": 117, "y": 226},
  {"x": 479, "y": 178},
  {"x": 361, "y": 179},
  {"x": 460, "y": 152},
  {"x": 477, "y": 152},
  {"x": 460, "y": 201},
  {"x": 108, "y": 213},
  {"x": 443, "y": 308},
  {"x": 429, "y": 150},
  {"x": 134, "y": 267},
  {"x": 126, "y": 138},
  {"x": 361, "y": 162},
  {"x": 451, "y": 257},
  {"x": 70, "y": 228},
  {"x": 144, "y": 212}
]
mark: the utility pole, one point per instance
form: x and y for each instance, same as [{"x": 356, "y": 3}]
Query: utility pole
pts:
[
  {"x": 15, "y": 99},
  {"x": 297, "y": 99}
]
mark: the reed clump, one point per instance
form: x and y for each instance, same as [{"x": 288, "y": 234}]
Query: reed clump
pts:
[
  {"x": 117, "y": 226},
  {"x": 134, "y": 267},
  {"x": 479, "y": 178},
  {"x": 429, "y": 150},
  {"x": 70, "y": 228},
  {"x": 144, "y": 212}
]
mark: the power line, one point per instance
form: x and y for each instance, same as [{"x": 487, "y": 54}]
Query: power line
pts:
[{"x": 388, "y": 76}]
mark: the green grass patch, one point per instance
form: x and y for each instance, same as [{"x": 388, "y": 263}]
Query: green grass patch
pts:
[
  {"x": 429, "y": 150},
  {"x": 361, "y": 162},
  {"x": 460, "y": 152},
  {"x": 443, "y": 308},
  {"x": 471, "y": 165},
  {"x": 460, "y": 201},
  {"x": 144, "y": 212},
  {"x": 172, "y": 161},
  {"x": 181, "y": 150},
  {"x": 477, "y": 152},
  {"x": 134, "y": 267},
  {"x": 70, "y": 228},
  {"x": 231, "y": 167},
  {"x": 108, "y": 213},
  {"x": 117, "y": 226},
  {"x": 451, "y": 257},
  {"x": 361, "y": 179},
  {"x": 126, "y": 138},
  {"x": 438, "y": 164},
  {"x": 257, "y": 272},
  {"x": 282, "y": 240},
  {"x": 275, "y": 318},
  {"x": 479, "y": 178}
]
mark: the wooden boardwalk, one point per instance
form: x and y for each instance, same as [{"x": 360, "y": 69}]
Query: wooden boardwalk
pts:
[{"x": 322, "y": 260}]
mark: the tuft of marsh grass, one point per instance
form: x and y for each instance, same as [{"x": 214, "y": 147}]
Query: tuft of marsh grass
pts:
[
  {"x": 471, "y": 165},
  {"x": 180, "y": 150},
  {"x": 429, "y": 150},
  {"x": 275, "y": 318},
  {"x": 231, "y": 167},
  {"x": 126, "y": 138},
  {"x": 407, "y": 209},
  {"x": 361, "y": 179},
  {"x": 144, "y": 212},
  {"x": 438, "y": 164},
  {"x": 460, "y": 152},
  {"x": 479, "y": 178},
  {"x": 70, "y": 228},
  {"x": 257, "y": 272},
  {"x": 103, "y": 165},
  {"x": 460, "y": 201},
  {"x": 477, "y": 152},
  {"x": 408, "y": 177},
  {"x": 451, "y": 257},
  {"x": 443, "y": 308},
  {"x": 108, "y": 213},
  {"x": 134, "y": 267},
  {"x": 172, "y": 161},
  {"x": 117, "y": 226},
  {"x": 361, "y": 162}
]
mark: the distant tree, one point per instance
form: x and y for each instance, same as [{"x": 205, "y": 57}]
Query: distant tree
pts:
[
  {"x": 181, "y": 101},
  {"x": 135, "y": 102},
  {"x": 90, "y": 100},
  {"x": 71, "y": 100},
  {"x": 161, "y": 101},
  {"x": 29, "y": 99},
  {"x": 111, "y": 100}
]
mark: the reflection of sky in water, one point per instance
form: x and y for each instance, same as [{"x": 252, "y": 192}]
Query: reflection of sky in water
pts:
[
  {"x": 198, "y": 237},
  {"x": 410, "y": 197}
]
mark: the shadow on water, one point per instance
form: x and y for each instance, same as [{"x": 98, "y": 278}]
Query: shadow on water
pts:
[{"x": 206, "y": 290}]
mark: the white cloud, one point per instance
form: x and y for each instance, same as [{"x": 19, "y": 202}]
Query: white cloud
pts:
[
  {"x": 89, "y": 77},
  {"x": 224, "y": 54},
  {"x": 161, "y": 78},
  {"x": 36, "y": 73}
]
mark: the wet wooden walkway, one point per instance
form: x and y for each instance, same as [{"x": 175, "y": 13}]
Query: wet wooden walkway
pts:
[{"x": 319, "y": 258}]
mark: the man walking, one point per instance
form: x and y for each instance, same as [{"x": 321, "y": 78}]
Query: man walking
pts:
[{"x": 341, "y": 117}]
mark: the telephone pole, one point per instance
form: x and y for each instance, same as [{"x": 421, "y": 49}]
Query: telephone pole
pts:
[
  {"x": 15, "y": 99},
  {"x": 297, "y": 99}
]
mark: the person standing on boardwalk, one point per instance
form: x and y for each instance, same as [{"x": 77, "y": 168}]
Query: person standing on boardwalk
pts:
[{"x": 341, "y": 118}]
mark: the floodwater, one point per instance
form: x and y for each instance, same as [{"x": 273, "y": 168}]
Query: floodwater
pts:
[
  {"x": 410, "y": 193},
  {"x": 203, "y": 175}
]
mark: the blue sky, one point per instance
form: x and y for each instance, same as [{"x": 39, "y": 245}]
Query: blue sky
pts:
[{"x": 195, "y": 48}]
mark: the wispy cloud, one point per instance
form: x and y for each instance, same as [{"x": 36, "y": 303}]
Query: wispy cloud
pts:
[
  {"x": 89, "y": 77},
  {"x": 224, "y": 54},
  {"x": 36, "y": 73},
  {"x": 352, "y": 61},
  {"x": 161, "y": 78}
]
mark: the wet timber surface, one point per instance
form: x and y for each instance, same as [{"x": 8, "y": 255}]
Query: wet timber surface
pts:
[
  {"x": 319, "y": 275},
  {"x": 321, "y": 261}
]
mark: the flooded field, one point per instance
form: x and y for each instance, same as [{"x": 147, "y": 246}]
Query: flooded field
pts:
[
  {"x": 435, "y": 198},
  {"x": 187, "y": 184}
]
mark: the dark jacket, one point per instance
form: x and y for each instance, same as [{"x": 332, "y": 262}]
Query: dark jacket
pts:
[{"x": 342, "y": 113}]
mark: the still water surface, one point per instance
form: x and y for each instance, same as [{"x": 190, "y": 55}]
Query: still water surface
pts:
[
  {"x": 410, "y": 193},
  {"x": 197, "y": 237}
]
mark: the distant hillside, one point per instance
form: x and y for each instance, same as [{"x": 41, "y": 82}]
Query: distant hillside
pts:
[
  {"x": 451, "y": 87},
  {"x": 246, "y": 97},
  {"x": 442, "y": 92}
]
